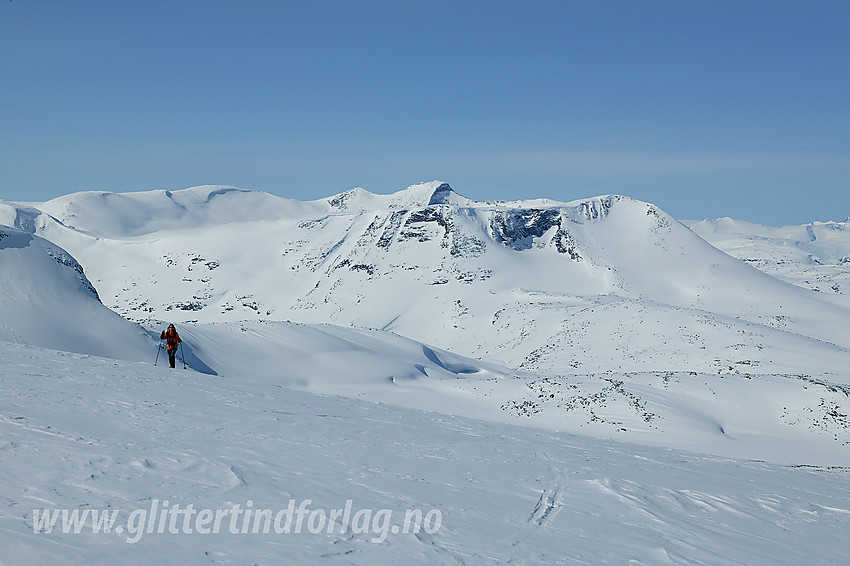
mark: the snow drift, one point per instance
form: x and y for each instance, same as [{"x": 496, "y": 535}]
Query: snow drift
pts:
[{"x": 46, "y": 300}]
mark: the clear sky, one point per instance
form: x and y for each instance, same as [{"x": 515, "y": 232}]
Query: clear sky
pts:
[{"x": 705, "y": 108}]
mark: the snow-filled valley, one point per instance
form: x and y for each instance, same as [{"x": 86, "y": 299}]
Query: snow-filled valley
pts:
[{"x": 585, "y": 382}]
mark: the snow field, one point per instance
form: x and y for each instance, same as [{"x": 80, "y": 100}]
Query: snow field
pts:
[{"x": 81, "y": 432}]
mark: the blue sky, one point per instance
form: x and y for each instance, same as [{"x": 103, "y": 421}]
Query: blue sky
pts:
[{"x": 705, "y": 108}]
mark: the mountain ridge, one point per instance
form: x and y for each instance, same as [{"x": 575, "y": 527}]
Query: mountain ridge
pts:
[
  {"x": 605, "y": 316},
  {"x": 423, "y": 253}
]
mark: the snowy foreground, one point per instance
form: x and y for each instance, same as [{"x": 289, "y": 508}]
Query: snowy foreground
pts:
[{"x": 83, "y": 433}]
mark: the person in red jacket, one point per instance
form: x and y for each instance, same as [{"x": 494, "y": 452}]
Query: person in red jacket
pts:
[{"x": 172, "y": 341}]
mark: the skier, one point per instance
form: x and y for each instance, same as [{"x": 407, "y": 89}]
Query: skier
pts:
[{"x": 172, "y": 342}]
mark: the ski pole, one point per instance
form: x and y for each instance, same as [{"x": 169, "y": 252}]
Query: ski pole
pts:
[
  {"x": 182, "y": 355},
  {"x": 158, "y": 348}
]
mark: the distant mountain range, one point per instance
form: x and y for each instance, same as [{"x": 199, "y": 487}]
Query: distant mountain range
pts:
[
  {"x": 542, "y": 285},
  {"x": 815, "y": 256},
  {"x": 603, "y": 312}
]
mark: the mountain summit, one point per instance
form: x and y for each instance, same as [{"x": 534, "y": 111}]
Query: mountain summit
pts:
[{"x": 414, "y": 196}]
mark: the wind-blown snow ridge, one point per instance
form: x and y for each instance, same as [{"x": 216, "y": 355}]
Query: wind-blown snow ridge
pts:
[{"x": 46, "y": 300}]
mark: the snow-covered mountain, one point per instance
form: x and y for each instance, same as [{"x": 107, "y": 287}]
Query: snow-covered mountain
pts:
[
  {"x": 814, "y": 256},
  {"x": 46, "y": 301},
  {"x": 604, "y": 317},
  {"x": 590, "y": 285}
]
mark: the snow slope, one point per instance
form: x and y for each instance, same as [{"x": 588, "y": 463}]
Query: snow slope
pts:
[
  {"x": 787, "y": 418},
  {"x": 46, "y": 300},
  {"x": 814, "y": 256},
  {"x": 131, "y": 214},
  {"x": 122, "y": 437}
]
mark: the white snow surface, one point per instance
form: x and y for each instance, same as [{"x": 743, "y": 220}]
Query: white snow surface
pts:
[
  {"x": 86, "y": 433},
  {"x": 46, "y": 300},
  {"x": 813, "y": 256},
  {"x": 468, "y": 343}
]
